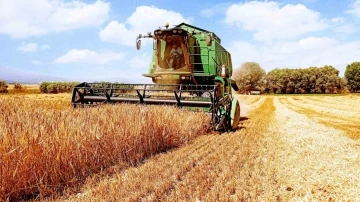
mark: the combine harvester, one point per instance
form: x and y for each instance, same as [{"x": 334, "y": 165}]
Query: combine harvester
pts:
[{"x": 189, "y": 68}]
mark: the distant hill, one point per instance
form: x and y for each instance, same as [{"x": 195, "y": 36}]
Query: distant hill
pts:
[
  {"x": 13, "y": 75},
  {"x": 130, "y": 81},
  {"x": 137, "y": 80}
]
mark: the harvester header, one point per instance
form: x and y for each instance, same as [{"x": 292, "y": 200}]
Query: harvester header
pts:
[{"x": 189, "y": 68}]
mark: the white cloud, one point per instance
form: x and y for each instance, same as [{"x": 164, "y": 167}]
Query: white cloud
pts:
[
  {"x": 44, "y": 47},
  {"x": 140, "y": 62},
  {"x": 36, "y": 62},
  {"x": 340, "y": 25},
  {"x": 144, "y": 19},
  {"x": 271, "y": 20},
  {"x": 355, "y": 8},
  {"x": 29, "y": 47},
  {"x": 117, "y": 33},
  {"x": 21, "y": 19},
  {"x": 88, "y": 56},
  {"x": 311, "y": 51}
]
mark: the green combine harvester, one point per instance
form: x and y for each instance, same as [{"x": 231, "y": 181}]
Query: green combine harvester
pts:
[{"x": 189, "y": 69}]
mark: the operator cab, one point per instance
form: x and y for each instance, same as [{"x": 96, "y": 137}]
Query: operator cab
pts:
[
  {"x": 181, "y": 56},
  {"x": 171, "y": 62},
  {"x": 171, "y": 50}
]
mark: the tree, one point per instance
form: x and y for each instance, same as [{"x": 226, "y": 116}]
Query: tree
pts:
[
  {"x": 19, "y": 88},
  {"x": 249, "y": 77},
  {"x": 43, "y": 87},
  {"x": 52, "y": 88},
  {"x": 3, "y": 87},
  {"x": 352, "y": 74}
]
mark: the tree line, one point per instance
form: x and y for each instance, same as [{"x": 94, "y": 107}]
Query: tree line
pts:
[
  {"x": 45, "y": 87},
  {"x": 57, "y": 87},
  {"x": 61, "y": 87},
  {"x": 251, "y": 77}
]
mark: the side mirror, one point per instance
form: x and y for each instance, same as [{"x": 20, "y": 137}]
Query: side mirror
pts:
[
  {"x": 138, "y": 44},
  {"x": 208, "y": 40}
]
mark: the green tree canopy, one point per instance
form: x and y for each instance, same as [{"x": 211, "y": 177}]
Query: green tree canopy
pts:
[
  {"x": 310, "y": 80},
  {"x": 57, "y": 87},
  {"x": 249, "y": 76},
  {"x": 352, "y": 74}
]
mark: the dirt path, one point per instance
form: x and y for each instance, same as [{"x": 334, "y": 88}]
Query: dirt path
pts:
[{"x": 278, "y": 155}]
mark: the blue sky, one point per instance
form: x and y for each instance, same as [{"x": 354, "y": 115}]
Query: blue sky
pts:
[{"x": 95, "y": 39}]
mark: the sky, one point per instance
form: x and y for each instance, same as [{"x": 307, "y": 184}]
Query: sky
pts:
[{"x": 96, "y": 39}]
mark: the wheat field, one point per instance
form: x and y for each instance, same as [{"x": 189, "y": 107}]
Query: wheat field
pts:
[
  {"x": 46, "y": 146},
  {"x": 288, "y": 148}
]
